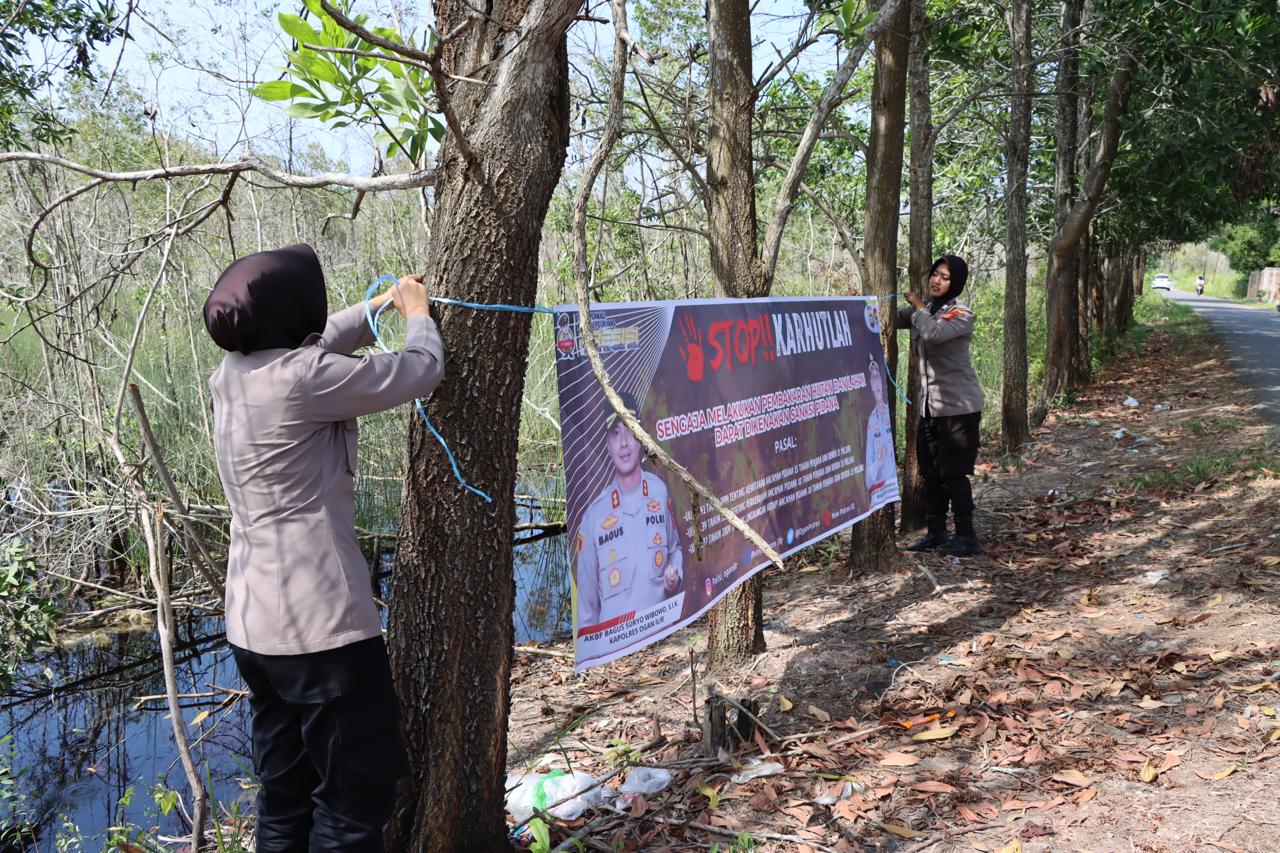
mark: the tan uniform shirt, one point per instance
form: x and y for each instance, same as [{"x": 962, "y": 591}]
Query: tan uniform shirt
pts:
[
  {"x": 285, "y": 438},
  {"x": 948, "y": 383},
  {"x": 626, "y": 544}
]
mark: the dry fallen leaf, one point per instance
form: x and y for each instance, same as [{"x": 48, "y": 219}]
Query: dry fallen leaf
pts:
[
  {"x": 933, "y": 786},
  {"x": 1148, "y": 772},
  {"x": 815, "y": 711},
  {"x": 784, "y": 704},
  {"x": 1219, "y": 657},
  {"x": 901, "y": 831},
  {"x": 899, "y": 759},
  {"x": 935, "y": 734},
  {"x": 1151, "y": 704},
  {"x": 1073, "y": 777},
  {"x": 1224, "y": 772},
  {"x": 1014, "y": 846}
]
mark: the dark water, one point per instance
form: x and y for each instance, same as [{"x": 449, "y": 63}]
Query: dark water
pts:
[{"x": 85, "y": 755}]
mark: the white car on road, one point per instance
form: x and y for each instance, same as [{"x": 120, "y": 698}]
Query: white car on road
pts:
[{"x": 1162, "y": 282}]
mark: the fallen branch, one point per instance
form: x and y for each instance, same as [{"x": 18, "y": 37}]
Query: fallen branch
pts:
[{"x": 167, "y": 632}]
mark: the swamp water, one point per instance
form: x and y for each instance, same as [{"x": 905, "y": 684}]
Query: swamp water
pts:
[{"x": 86, "y": 760}]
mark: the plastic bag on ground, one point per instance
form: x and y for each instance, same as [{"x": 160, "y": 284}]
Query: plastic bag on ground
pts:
[
  {"x": 755, "y": 769},
  {"x": 538, "y": 791},
  {"x": 645, "y": 780}
]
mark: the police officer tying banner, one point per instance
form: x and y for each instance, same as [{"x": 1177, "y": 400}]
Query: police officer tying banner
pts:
[
  {"x": 950, "y": 406},
  {"x": 300, "y": 617},
  {"x": 627, "y": 547}
]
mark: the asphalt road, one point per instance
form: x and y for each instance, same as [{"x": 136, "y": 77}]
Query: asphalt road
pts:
[{"x": 1251, "y": 337}]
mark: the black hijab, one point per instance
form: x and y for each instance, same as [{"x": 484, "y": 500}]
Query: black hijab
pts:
[
  {"x": 959, "y": 275},
  {"x": 268, "y": 300}
]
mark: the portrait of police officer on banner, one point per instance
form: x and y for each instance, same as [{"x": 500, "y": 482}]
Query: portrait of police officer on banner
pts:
[{"x": 627, "y": 548}]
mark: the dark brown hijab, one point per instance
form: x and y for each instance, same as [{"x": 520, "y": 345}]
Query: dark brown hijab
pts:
[{"x": 268, "y": 300}]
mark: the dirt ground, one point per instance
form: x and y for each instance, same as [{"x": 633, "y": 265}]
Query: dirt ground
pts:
[{"x": 1105, "y": 675}]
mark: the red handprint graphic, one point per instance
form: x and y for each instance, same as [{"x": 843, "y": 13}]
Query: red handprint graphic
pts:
[{"x": 691, "y": 349}]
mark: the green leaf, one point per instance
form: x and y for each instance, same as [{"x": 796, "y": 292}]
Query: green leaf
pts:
[
  {"x": 305, "y": 109},
  {"x": 279, "y": 90},
  {"x": 298, "y": 29}
]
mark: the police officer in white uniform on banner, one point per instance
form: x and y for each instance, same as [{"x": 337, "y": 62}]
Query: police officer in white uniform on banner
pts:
[{"x": 627, "y": 548}]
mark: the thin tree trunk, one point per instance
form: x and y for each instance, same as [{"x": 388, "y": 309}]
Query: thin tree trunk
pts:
[
  {"x": 920, "y": 250},
  {"x": 153, "y": 533},
  {"x": 731, "y": 189},
  {"x": 1013, "y": 408},
  {"x": 453, "y": 590},
  {"x": 1086, "y": 282},
  {"x": 736, "y": 630},
  {"x": 1060, "y": 301},
  {"x": 872, "y": 543}
]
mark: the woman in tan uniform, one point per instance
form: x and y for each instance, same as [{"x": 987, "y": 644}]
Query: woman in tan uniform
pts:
[
  {"x": 300, "y": 614},
  {"x": 950, "y": 406}
]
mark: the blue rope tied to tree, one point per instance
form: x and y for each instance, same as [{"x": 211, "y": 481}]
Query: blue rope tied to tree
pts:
[{"x": 417, "y": 402}]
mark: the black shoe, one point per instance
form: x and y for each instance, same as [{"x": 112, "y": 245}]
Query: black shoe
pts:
[
  {"x": 965, "y": 543},
  {"x": 935, "y": 537},
  {"x": 961, "y": 546}
]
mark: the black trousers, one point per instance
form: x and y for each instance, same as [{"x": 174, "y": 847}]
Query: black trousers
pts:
[
  {"x": 946, "y": 448},
  {"x": 326, "y": 747}
]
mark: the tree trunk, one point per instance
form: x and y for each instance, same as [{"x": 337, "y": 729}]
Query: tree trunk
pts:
[
  {"x": 731, "y": 187},
  {"x": 920, "y": 250},
  {"x": 872, "y": 544},
  {"x": 1060, "y": 303},
  {"x": 1087, "y": 281},
  {"x": 1017, "y": 146},
  {"x": 737, "y": 622},
  {"x": 1063, "y": 252},
  {"x": 453, "y": 590}
]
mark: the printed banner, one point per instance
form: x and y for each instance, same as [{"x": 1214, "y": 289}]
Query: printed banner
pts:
[{"x": 778, "y": 405}]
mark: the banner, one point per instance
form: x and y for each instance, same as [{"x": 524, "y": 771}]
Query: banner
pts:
[{"x": 778, "y": 405}]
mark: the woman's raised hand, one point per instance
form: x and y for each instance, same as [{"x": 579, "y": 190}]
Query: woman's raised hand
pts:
[{"x": 408, "y": 296}]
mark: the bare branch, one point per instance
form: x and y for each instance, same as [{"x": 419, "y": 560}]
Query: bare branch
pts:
[
  {"x": 381, "y": 183},
  {"x": 786, "y": 198}
]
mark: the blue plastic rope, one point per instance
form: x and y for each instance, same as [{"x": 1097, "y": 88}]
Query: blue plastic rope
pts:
[
  {"x": 417, "y": 402},
  {"x": 889, "y": 375}
]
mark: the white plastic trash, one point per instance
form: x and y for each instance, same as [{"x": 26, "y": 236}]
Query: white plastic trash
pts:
[
  {"x": 756, "y": 770},
  {"x": 539, "y": 791},
  {"x": 646, "y": 781},
  {"x": 1131, "y": 402}
]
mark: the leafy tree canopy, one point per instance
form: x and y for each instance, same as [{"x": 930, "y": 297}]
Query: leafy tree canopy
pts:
[{"x": 69, "y": 30}]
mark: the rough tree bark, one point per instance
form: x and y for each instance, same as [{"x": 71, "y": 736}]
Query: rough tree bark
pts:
[
  {"x": 1013, "y": 407},
  {"x": 872, "y": 544},
  {"x": 920, "y": 249},
  {"x": 453, "y": 591},
  {"x": 731, "y": 185},
  {"x": 736, "y": 629}
]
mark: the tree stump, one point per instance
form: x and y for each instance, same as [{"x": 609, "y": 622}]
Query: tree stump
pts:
[{"x": 720, "y": 730}]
